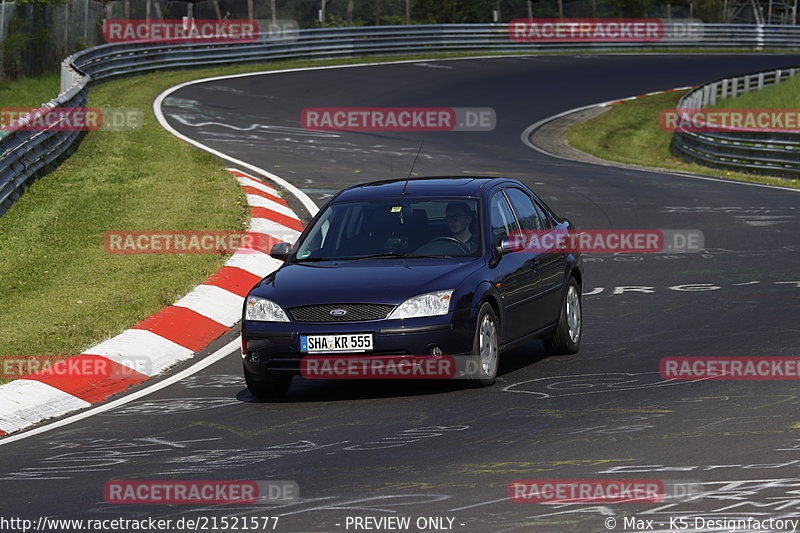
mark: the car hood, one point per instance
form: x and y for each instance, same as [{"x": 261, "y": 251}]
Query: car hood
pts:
[{"x": 388, "y": 281}]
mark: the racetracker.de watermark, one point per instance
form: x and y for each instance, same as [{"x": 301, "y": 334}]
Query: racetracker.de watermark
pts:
[
  {"x": 188, "y": 30},
  {"x": 180, "y": 30},
  {"x": 398, "y": 118},
  {"x": 730, "y": 368},
  {"x": 189, "y": 242},
  {"x": 88, "y": 367},
  {"x": 607, "y": 241},
  {"x": 604, "y": 30},
  {"x": 734, "y": 119},
  {"x": 586, "y": 490},
  {"x": 378, "y": 367},
  {"x": 168, "y": 492},
  {"x": 70, "y": 119}
]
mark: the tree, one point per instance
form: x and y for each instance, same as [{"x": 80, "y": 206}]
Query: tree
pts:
[
  {"x": 28, "y": 47},
  {"x": 453, "y": 11}
]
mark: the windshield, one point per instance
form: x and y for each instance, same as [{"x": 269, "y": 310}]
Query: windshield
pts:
[{"x": 389, "y": 228}]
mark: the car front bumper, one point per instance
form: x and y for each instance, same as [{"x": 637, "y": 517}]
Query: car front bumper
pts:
[{"x": 275, "y": 347}]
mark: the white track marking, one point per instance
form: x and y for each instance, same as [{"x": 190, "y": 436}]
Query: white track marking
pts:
[
  {"x": 134, "y": 345},
  {"x": 526, "y": 134},
  {"x": 259, "y": 201},
  {"x": 273, "y": 229},
  {"x": 216, "y": 303},
  {"x": 250, "y": 182},
  {"x": 228, "y": 349},
  {"x": 303, "y": 197},
  {"x": 23, "y": 404}
]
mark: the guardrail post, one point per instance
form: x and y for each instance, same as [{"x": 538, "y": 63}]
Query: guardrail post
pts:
[
  {"x": 108, "y": 61},
  {"x": 772, "y": 154},
  {"x": 67, "y": 77}
]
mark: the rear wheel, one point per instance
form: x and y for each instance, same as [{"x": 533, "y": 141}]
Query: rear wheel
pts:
[
  {"x": 485, "y": 347},
  {"x": 566, "y": 338},
  {"x": 268, "y": 386}
]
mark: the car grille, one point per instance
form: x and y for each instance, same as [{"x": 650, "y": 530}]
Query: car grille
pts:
[{"x": 355, "y": 312}]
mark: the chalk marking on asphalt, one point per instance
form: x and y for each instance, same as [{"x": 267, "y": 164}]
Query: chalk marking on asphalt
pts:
[{"x": 228, "y": 349}]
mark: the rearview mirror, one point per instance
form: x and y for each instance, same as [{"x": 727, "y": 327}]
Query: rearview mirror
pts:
[
  {"x": 511, "y": 243},
  {"x": 280, "y": 251}
]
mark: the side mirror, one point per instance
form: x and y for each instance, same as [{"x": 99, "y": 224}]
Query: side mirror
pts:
[
  {"x": 280, "y": 251},
  {"x": 511, "y": 243}
]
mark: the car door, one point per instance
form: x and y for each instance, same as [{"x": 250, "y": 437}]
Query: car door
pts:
[
  {"x": 543, "y": 266},
  {"x": 553, "y": 267},
  {"x": 513, "y": 269}
]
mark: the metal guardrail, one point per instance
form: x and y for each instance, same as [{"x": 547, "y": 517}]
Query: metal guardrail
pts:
[
  {"x": 26, "y": 155},
  {"x": 765, "y": 153}
]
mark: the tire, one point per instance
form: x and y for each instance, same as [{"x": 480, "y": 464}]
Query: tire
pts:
[
  {"x": 566, "y": 338},
  {"x": 485, "y": 347},
  {"x": 269, "y": 386}
]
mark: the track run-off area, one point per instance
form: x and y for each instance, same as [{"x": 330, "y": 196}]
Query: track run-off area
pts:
[{"x": 412, "y": 449}]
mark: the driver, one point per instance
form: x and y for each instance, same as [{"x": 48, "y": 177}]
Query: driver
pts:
[{"x": 459, "y": 218}]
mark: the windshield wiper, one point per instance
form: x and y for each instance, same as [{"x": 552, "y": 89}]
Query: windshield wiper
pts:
[
  {"x": 387, "y": 255},
  {"x": 315, "y": 259},
  {"x": 392, "y": 255}
]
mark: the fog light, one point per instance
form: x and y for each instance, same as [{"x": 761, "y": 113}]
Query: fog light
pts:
[
  {"x": 435, "y": 350},
  {"x": 254, "y": 357}
]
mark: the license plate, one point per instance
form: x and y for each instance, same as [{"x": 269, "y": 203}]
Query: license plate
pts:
[{"x": 351, "y": 342}]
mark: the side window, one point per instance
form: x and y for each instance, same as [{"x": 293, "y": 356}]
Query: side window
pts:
[
  {"x": 502, "y": 219},
  {"x": 528, "y": 216},
  {"x": 546, "y": 223}
]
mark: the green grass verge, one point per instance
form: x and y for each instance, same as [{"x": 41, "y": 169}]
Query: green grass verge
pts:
[
  {"x": 61, "y": 292},
  {"x": 29, "y": 92},
  {"x": 784, "y": 95},
  {"x": 630, "y": 133}
]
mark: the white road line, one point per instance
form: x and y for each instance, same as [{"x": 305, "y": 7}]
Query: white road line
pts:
[
  {"x": 307, "y": 202},
  {"x": 228, "y": 349},
  {"x": 303, "y": 197},
  {"x": 216, "y": 303},
  {"x": 526, "y": 134},
  {"x": 27, "y": 401},
  {"x": 133, "y": 347},
  {"x": 253, "y": 200}
]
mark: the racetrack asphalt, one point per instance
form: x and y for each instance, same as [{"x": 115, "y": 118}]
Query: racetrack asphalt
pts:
[{"x": 441, "y": 450}]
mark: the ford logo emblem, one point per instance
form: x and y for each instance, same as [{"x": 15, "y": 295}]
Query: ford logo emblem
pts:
[{"x": 338, "y": 312}]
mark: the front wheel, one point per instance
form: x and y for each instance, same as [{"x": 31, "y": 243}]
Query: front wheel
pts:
[
  {"x": 485, "y": 347},
  {"x": 269, "y": 386},
  {"x": 566, "y": 338}
]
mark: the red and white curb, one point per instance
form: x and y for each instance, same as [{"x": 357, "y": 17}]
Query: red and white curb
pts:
[
  {"x": 650, "y": 94},
  {"x": 172, "y": 335},
  {"x": 526, "y": 134}
]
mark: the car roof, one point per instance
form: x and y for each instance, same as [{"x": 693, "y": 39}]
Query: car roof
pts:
[{"x": 422, "y": 186}]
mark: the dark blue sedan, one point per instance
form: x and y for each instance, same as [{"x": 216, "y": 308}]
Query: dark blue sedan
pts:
[{"x": 421, "y": 267}]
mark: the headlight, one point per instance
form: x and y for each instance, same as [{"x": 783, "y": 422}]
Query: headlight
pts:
[
  {"x": 264, "y": 310},
  {"x": 430, "y": 304}
]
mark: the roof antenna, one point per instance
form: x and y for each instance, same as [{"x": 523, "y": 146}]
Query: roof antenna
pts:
[{"x": 412, "y": 166}]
